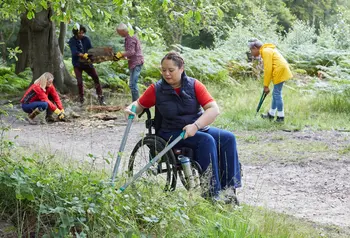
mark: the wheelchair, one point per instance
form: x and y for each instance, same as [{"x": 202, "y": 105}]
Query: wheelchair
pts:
[{"x": 168, "y": 169}]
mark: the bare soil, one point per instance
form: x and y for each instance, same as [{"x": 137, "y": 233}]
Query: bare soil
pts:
[{"x": 304, "y": 173}]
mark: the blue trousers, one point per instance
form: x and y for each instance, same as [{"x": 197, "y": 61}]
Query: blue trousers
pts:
[
  {"x": 277, "y": 101},
  {"x": 215, "y": 147},
  {"x": 30, "y": 107},
  {"x": 134, "y": 77}
]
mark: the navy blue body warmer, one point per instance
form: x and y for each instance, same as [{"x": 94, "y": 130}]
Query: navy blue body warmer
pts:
[{"x": 177, "y": 110}]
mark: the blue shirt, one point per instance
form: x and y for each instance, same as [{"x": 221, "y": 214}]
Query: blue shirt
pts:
[{"x": 77, "y": 47}]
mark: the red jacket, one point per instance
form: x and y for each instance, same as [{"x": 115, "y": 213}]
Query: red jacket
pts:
[{"x": 36, "y": 93}]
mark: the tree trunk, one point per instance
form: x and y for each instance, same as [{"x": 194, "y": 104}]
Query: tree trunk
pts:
[
  {"x": 62, "y": 36},
  {"x": 23, "y": 43},
  {"x": 43, "y": 51},
  {"x": 3, "y": 50}
]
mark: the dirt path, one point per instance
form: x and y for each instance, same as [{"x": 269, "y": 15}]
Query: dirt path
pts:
[{"x": 304, "y": 174}]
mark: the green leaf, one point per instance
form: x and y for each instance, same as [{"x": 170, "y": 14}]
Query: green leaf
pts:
[
  {"x": 91, "y": 25},
  {"x": 190, "y": 13},
  {"x": 107, "y": 15},
  {"x": 30, "y": 15},
  {"x": 43, "y": 3},
  {"x": 118, "y": 2},
  {"x": 165, "y": 5},
  {"x": 197, "y": 16},
  {"x": 88, "y": 12},
  {"x": 220, "y": 13}
]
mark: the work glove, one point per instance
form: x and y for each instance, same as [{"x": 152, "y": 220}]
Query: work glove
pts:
[
  {"x": 60, "y": 113},
  {"x": 117, "y": 56},
  {"x": 87, "y": 57},
  {"x": 57, "y": 111},
  {"x": 61, "y": 116}
]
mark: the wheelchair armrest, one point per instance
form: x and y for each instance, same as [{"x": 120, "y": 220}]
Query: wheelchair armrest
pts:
[
  {"x": 149, "y": 123},
  {"x": 147, "y": 111}
]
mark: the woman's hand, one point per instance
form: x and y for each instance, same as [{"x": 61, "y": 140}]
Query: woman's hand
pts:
[
  {"x": 266, "y": 90},
  {"x": 190, "y": 129},
  {"x": 127, "y": 112}
]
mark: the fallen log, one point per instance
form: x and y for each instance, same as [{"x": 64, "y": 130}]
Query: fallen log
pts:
[{"x": 96, "y": 108}]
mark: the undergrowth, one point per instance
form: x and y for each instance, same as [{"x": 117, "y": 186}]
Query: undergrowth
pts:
[{"x": 45, "y": 198}]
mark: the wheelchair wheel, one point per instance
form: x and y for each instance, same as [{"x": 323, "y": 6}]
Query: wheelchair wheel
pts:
[
  {"x": 196, "y": 175},
  {"x": 163, "y": 173}
]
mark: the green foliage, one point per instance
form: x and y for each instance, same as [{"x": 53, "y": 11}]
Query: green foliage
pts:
[
  {"x": 315, "y": 12},
  {"x": 10, "y": 83},
  {"x": 301, "y": 36},
  {"x": 333, "y": 102},
  {"x": 61, "y": 201}
]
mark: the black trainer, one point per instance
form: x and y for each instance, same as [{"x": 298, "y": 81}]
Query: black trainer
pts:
[
  {"x": 101, "y": 100},
  {"x": 280, "y": 119},
  {"x": 267, "y": 116},
  {"x": 81, "y": 100}
]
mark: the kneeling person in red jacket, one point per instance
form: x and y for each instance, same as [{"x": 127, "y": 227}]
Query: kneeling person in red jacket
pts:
[{"x": 41, "y": 96}]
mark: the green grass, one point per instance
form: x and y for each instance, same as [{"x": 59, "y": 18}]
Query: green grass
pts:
[
  {"x": 314, "y": 109},
  {"x": 40, "y": 194}
]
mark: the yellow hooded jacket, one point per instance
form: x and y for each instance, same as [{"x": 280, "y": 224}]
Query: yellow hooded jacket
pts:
[{"x": 276, "y": 67}]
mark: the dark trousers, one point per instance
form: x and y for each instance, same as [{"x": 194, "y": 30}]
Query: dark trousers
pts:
[
  {"x": 215, "y": 147},
  {"x": 92, "y": 73}
]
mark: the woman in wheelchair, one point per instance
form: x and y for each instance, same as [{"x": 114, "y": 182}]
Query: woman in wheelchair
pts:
[{"x": 180, "y": 101}]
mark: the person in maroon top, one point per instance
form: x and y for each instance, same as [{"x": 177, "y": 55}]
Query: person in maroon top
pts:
[
  {"x": 133, "y": 54},
  {"x": 40, "y": 96}
]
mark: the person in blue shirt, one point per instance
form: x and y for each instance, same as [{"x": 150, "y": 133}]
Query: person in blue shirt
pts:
[{"x": 79, "y": 45}]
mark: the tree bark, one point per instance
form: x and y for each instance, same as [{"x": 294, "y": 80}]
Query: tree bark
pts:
[
  {"x": 62, "y": 36},
  {"x": 43, "y": 51},
  {"x": 3, "y": 50},
  {"x": 23, "y": 43}
]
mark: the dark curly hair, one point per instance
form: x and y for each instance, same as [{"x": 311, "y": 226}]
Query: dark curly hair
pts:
[
  {"x": 176, "y": 57},
  {"x": 75, "y": 31}
]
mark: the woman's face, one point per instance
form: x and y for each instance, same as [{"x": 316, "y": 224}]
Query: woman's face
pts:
[
  {"x": 171, "y": 73},
  {"x": 49, "y": 82}
]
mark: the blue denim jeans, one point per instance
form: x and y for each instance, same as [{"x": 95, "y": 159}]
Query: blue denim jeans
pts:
[
  {"x": 277, "y": 100},
  {"x": 134, "y": 77},
  {"x": 215, "y": 147},
  {"x": 30, "y": 107}
]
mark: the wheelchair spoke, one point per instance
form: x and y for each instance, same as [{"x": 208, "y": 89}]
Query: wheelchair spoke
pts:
[{"x": 160, "y": 174}]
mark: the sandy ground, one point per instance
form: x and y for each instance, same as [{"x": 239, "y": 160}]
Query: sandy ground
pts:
[{"x": 304, "y": 173}]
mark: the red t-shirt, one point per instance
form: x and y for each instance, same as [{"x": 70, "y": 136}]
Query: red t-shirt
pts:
[{"x": 148, "y": 98}]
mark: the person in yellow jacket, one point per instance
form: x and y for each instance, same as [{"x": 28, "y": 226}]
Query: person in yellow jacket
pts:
[{"x": 276, "y": 69}]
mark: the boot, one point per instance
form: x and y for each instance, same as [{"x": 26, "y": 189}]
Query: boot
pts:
[
  {"x": 81, "y": 100},
  {"x": 280, "y": 119},
  {"x": 101, "y": 100},
  {"x": 50, "y": 118},
  {"x": 32, "y": 115},
  {"x": 267, "y": 116}
]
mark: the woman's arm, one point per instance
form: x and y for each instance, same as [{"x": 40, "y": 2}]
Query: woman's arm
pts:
[
  {"x": 138, "y": 106},
  {"x": 211, "y": 111},
  {"x": 147, "y": 100}
]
